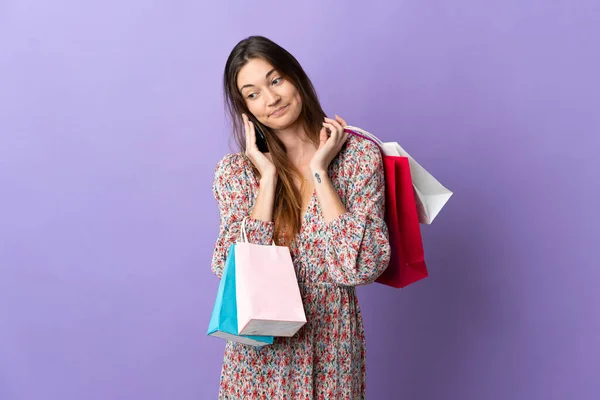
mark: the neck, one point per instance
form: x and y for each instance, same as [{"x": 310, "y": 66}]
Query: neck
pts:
[{"x": 299, "y": 146}]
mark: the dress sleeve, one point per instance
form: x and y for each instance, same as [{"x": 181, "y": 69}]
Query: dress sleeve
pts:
[
  {"x": 232, "y": 190},
  {"x": 357, "y": 241}
]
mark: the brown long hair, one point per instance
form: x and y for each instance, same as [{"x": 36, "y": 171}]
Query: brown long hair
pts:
[{"x": 287, "y": 208}]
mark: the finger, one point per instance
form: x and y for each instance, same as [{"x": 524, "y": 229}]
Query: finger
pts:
[
  {"x": 322, "y": 137},
  {"x": 336, "y": 124},
  {"x": 346, "y": 135},
  {"x": 334, "y": 132},
  {"x": 341, "y": 120},
  {"x": 338, "y": 131},
  {"x": 252, "y": 135},
  {"x": 343, "y": 139},
  {"x": 245, "y": 122}
]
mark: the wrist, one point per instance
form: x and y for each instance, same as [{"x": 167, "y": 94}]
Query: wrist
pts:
[
  {"x": 268, "y": 180},
  {"x": 318, "y": 174},
  {"x": 317, "y": 169}
]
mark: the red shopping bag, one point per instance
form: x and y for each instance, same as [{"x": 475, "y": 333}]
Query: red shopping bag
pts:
[{"x": 407, "y": 261}]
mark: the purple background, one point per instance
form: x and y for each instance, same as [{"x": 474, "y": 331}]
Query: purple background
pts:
[{"x": 111, "y": 124}]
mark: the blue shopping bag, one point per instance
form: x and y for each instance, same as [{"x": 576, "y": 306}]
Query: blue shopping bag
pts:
[{"x": 223, "y": 321}]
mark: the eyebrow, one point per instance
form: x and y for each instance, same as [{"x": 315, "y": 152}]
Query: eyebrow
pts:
[{"x": 266, "y": 77}]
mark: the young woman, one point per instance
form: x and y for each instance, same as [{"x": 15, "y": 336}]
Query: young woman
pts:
[{"x": 321, "y": 193}]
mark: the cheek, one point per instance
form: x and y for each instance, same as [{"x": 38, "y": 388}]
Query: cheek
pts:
[
  {"x": 289, "y": 91},
  {"x": 255, "y": 108},
  {"x": 298, "y": 99}
]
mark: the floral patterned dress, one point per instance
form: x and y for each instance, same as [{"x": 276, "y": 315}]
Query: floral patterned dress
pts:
[{"x": 326, "y": 358}]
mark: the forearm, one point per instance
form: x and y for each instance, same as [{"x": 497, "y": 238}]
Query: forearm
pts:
[
  {"x": 331, "y": 204},
  {"x": 265, "y": 200}
]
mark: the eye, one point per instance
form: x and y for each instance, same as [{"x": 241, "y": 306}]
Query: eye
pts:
[
  {"x": 251, "y": 96},
  {"x": 277, "y": 81}
]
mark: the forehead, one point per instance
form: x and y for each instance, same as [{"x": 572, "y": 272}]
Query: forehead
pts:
[{"x": 254, "y": 72}]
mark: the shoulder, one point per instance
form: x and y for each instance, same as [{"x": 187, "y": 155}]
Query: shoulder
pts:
[
  {"x": 360, "y": 151},
  {"x": 232, "y": 176},
  {"x": 232, "y": 165}
]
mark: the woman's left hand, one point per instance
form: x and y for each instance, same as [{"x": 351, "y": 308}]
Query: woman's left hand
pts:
[{"x": 330, "y": 145}]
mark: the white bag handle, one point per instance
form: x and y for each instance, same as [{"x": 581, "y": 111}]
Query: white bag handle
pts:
[
  {"x": 366, "y": 134},
  {"x": 243, "y": 231},
  {"x": 245, "y": 236}
]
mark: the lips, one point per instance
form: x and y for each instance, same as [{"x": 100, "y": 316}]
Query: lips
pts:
[{"x": 279, "y": 110}]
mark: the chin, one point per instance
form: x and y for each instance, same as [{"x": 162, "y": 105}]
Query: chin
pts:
[{"x": 285, "y": 121}]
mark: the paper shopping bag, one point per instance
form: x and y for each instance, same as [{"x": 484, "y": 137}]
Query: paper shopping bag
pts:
[
  {"x": 223, "y": 321},
  {"x": 268, "y": 296},
  {"x": 407, "y": 259},
  {"x": 430, "y": 194}
]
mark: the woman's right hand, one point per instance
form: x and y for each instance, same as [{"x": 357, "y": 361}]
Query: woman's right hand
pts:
[{"x": 261, "y": 161}]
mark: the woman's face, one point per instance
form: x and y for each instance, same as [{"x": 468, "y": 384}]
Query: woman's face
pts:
[{"x": 269, "y": 96}]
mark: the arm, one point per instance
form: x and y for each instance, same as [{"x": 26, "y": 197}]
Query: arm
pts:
[
  {"x": 357, "y": 243},
  {"x": 331, "y": 204},
  {"x": 231, "y": 189}
]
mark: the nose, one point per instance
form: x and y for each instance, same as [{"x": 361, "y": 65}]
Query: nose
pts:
[{"x": 272, "y": 97}]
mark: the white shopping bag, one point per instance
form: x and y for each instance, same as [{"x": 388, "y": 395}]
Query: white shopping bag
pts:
[{"x": 430, "y": 194}]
